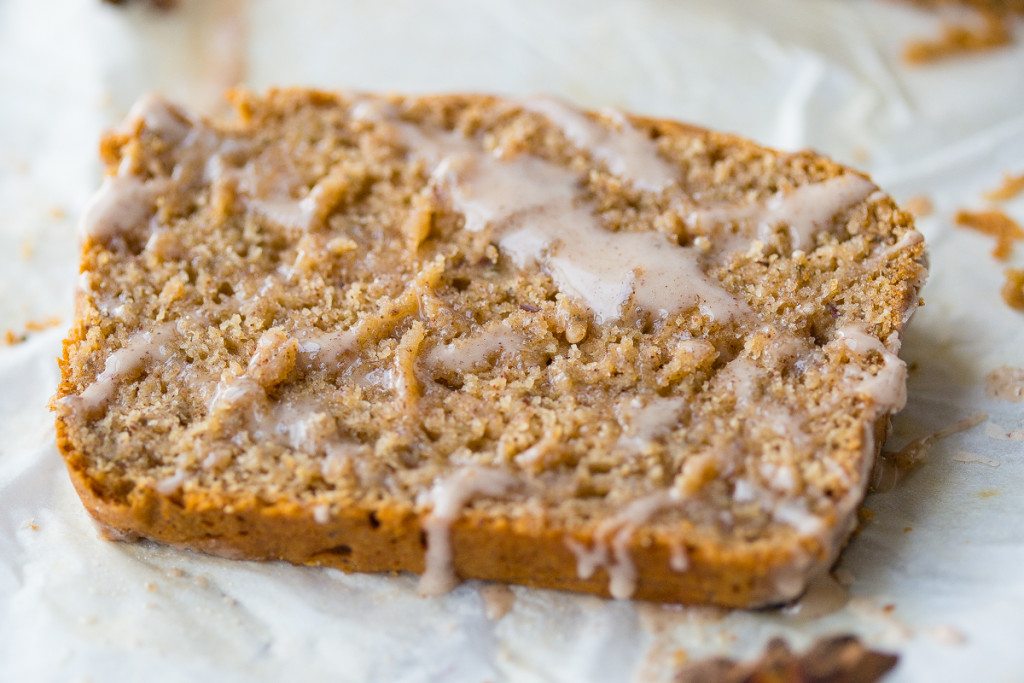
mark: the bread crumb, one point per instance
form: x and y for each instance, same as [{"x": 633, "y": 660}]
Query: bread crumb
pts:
[
  {"x": 907, "y": 529},
  {"x": 1013, "y": 289},
  {"x": 31, "y": 525},
  {"x": 57, "y": 213},
  {"x": 151, "y": 587},
  {"x": 919, "y": 205},
  {"x": 11, "y": 338},
  {"x": 988, "y": 493},
  {"x": 1006, "y": 383},
  {"x": 26, "y": 249},
  {"x": 960, "y": 39},
  {"x": 42, "y": 324},
  {"x": 994, "y": 223},
  {"x": 1012, "y": 186}
]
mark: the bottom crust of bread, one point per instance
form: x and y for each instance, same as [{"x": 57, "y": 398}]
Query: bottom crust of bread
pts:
[{"x": 389, "y": 539}]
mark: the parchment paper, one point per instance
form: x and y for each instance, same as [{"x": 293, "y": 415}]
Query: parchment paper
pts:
[{"x": 937, "y": 570}]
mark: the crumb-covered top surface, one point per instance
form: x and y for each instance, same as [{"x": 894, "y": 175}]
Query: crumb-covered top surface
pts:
[{"x": 341, "y": 299}]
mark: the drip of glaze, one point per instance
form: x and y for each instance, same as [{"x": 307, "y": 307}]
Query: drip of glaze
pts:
[
  {"x": 140, "y": 349},
  {"x": 809, "y": 209},
  {"x": 626, "y": 151},
  {"x": 651, "y": 421},
  {"x": 447, "y": 498},
  {"x": 888, "y": 386},
  {"x": 610, "y": 549},
  {"x": 474, "y": 351},
  {"x": 805, "y": 211},
  {"x": 538, "y": 216}
]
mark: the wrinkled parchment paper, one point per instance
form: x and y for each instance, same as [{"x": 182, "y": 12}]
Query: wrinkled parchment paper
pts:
[{"x": 937, "y": 571}]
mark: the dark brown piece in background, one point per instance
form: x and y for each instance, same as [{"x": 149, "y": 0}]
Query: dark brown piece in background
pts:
[
  {"x": 1013, "y": 289},
  {"x": 156, "y": 4},
  {"x": 835, "y": 659}
]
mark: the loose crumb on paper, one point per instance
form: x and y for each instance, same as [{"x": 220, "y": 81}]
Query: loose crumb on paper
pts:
[
  {"x": 961, "y": 39},
  {"x": 41, "y": 324},
  {"x": 12, "y": 338},
  {"x": 1006, "y": 383},
  {"x": 1013, "y": 185},
  {"x": 1013, "y": 289},
  {"x": 996, "y": 224},
  {"x": 919, "y": 205},
  {"x": 988, "y": 493}
]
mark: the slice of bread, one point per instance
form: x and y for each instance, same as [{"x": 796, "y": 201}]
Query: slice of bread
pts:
[{"x": 476, "y": 337}]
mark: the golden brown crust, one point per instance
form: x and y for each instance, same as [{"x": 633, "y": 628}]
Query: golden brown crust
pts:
[{"x": 388, "y": 538}]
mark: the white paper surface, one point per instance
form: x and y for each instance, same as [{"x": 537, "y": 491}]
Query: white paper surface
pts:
[{"x": 946, "y": 547}]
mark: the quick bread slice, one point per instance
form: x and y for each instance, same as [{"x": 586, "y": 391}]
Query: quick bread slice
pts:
[{"x": 475, "y": 337}]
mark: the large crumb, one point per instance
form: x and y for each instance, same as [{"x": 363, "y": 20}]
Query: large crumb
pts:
[
  {"x": 1013, "y": 289},
  {"x": 958, "y": 39},
  {"x": 995, "y": 223},
  {"x": 919, "y": 205},
  {"x": 12, "y": 338},
  {"x": 41, "y": 324},
  {"x": 835, "y": 659},
  {"x": 1012, "y": 186}
]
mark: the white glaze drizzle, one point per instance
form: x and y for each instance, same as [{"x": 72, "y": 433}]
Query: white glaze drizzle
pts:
[
  {"x": 678, "y": 559},
  {"x": 170, "y": 485},
  {"x": 610, "y": 549},
  {"x": 888, "y": 386},
  {"x": 126, "y": 201},
  {"x": 473, "y": 351},
  {"x": 122, "y": 203},
  {"x": 534, "y": 206},
  {"x": 327, "y": 348},
  {"x": 447, "y": 499},
  {"x": 805, "y": 210},
  {"x": 647, "y": 422},
  {"x": 809, "y": 209},
  {"x": 159, "y": 116},
  {"x": 626, "y": 151},
  {"x": 140, "y": 348}
]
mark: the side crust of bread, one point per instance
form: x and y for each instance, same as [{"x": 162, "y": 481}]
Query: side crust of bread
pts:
[{"x": 389, "y": 539}]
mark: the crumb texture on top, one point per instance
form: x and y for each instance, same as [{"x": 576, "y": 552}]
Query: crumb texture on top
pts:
[{"x": 628, "y": 331}]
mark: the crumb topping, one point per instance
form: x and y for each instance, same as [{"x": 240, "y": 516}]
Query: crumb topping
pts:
[{"x": 334, "y": 299}]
